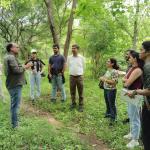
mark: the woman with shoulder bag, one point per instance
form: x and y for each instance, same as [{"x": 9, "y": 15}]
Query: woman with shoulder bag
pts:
[{"x": 110, "y": 80}]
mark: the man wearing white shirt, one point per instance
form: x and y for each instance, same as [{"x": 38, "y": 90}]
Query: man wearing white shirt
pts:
[{"x": 76, "y": 65}]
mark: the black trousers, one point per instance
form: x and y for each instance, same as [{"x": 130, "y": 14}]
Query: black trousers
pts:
[{"x": 146, "y": 127}]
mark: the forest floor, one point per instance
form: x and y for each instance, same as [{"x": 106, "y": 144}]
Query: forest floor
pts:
[
  {"x": 91, "y": 140},
  {"x": 48, "y": 126}
]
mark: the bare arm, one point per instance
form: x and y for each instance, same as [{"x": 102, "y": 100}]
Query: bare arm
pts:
[
  {"x": 144, "y": 92},
  {"x": 64, "y": 68},
  {"x": 135, "y": 74}
]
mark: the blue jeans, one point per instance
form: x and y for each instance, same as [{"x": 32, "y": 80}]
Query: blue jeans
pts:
[
  {"x": 135, "y": 123},
  {"x": 35, "y": 80},
  {"x": 57, "y": 84},
  {"x": 110, "y": 100},
  {"x": 15, "y": 96}
]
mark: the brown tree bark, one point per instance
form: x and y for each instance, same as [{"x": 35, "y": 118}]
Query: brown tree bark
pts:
[
  {"x": 69, "y": 32},
  {"x": 48, "y": 4},
  {"x": 135, "y": 30}
]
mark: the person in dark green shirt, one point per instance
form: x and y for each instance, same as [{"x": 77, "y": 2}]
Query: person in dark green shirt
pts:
[{"x": 14, "y": 73}]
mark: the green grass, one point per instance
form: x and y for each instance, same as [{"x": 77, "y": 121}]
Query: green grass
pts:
[{"x": 35, "y": 132}]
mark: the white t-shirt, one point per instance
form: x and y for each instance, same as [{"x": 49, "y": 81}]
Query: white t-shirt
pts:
[{"x": 76, "y": 65}]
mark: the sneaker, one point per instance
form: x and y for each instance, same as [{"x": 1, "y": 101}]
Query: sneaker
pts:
[
  {"x": 53, "y": 100},
  {"x": 33, "y": 101},
  {"x": 107, "y": 116},
  {"x": 128, "y": 136},
  {"x": 62, "y": 100},
  {"x": 132, "y": 144},
  {"x": 72, "y": 106},
  {"x": 80, "y": 109}
]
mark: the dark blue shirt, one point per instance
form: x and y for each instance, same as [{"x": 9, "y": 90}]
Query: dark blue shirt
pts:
[{"x": 57, "y": 64}]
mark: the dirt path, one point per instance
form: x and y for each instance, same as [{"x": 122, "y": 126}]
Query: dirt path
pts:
[{"x": 92, "y": 140}]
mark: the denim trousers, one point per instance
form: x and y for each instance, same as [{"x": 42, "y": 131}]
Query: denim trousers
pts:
[
  {"x": 110, "y": 100},
  {"x": 15, "y": 96},
  {"x": 135, "y": 123},
  {"x": 35, "y": 85},
  {"x": 57, "y": 83}
]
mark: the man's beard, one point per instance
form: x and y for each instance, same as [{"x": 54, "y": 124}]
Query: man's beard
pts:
[{"x": 55, "y": 53}]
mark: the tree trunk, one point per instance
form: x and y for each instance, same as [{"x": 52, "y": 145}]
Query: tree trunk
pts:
[
  {"x": 69, "y": 32},
  {"x": 135, "y": 30},
  {"x": 48, "y": 4}
]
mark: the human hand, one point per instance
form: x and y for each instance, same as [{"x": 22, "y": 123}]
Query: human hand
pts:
[
  {"x": 124, "y": 80},
  {"x": 28, "y": 65},
  {"x": 131, "y": 94},
  {"x": 50, "y": 75},
  {"x": 102, "y": 79}
]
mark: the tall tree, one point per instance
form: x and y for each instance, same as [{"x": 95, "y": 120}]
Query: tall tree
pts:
[
  {"x": 49, "y": 6},
  {"x": 69, "y": 32},
  {"x": 127, "y": 17},
  {"x": 21, "y": 22},
  {"x": 52, "y": 21}
]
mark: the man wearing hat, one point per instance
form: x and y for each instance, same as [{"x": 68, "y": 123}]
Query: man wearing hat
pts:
[{"x": 35, "y": 75}]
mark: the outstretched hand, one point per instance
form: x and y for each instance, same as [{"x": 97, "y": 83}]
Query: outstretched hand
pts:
[
  {"x": 28, "y": 65},
  {"x": 130, "y": 94}
]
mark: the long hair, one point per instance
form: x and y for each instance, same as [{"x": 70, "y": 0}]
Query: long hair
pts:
[
  {"x": 114, "y": 62},
  {"x": 135, "y": 55}
]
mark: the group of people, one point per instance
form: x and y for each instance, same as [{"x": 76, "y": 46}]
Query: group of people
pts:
[
  {"x": 15, "y": 78},
  {"x": 136, "y": 81}
]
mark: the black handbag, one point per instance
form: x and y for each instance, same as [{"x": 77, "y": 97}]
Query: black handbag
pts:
[
  {"x": 43, "y": 74},
  {"x": 101, "y": 84}
]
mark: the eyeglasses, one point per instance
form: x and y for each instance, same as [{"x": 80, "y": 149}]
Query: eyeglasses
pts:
[{"x": 16, "y": 46}]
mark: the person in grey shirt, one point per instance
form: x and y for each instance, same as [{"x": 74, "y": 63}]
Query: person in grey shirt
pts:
[
  {"x": 145, "y": 55},
  {"x": 15, "y": 79}
]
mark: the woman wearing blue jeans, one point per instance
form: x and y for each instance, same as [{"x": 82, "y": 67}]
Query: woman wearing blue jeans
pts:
[
  {"x": 110, "y": 80},
  {"x": 133, "y": 81}
]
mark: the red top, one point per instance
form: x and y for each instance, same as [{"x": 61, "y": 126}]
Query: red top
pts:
[{"x": 138, "y": 83}]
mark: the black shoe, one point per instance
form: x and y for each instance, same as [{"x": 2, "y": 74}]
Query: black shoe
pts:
[
  {"x": 62, "y": 100},
  {"x": 80, "y": 109},
  {"x": 53, "y": 100},
  {"x": 72, "y": 106},
  {"x": 107, "y": 116},
  {"x": 125, "y": 121},
  {"x": 33, "y": 101}
]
